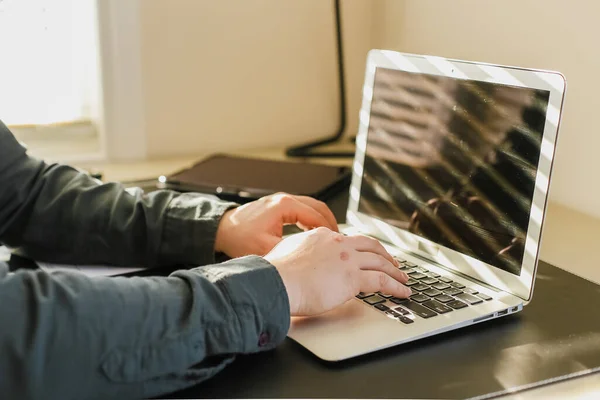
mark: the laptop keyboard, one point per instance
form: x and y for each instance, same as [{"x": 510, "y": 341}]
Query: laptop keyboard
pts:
[{"x": 432, "y": 295}]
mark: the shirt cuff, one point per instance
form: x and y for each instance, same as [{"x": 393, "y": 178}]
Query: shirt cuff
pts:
[
  {"x": 259, "y": 300},
  {"x": 190, "y": 229}
]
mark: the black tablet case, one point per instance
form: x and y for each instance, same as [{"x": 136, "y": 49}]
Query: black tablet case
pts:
[{"x": 244, "y": 179}]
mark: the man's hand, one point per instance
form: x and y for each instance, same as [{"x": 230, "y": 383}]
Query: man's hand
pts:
[
  {"x": 322, "y": 269},
  {"x": 257, "y": 227}
]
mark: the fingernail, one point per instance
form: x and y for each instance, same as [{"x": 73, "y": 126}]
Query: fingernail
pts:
[
  {"x": 396, "y": 263},
  {"x": 405, "y": 275},
  {"x": 408, "y": 291}
]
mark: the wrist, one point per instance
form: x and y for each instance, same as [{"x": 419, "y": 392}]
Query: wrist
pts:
[
  {"x": 290, "y": 288},
  {"x": 223, "y": 233}
]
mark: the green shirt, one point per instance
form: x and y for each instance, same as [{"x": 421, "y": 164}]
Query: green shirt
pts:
[{"x": 67, "y": 336}]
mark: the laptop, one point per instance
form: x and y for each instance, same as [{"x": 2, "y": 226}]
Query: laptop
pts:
[{"x": 451, "y": 174}]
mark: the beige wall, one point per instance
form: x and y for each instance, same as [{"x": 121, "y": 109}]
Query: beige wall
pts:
[
  {"x": 231, "y": 74},
  {"x": 547, "y": 34}
]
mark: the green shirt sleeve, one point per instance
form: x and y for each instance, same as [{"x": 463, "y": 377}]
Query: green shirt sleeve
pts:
[
  {"x": 65, "y": 335},
  {"x": 68, "y": 336},
  {"x": 55, "y": 213}
]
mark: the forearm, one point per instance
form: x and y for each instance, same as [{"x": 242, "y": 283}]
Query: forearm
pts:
[
  {"x": 55, "y": 213},
  {"x": 70, "y": 336}
]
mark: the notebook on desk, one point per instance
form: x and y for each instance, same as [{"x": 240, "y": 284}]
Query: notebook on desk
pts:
[
  {"x": 17, "y": 262},
  {"x": 4, "y": 254},
  {"x": 451, "y": 173},
  {"x": 91, "y": 270}
]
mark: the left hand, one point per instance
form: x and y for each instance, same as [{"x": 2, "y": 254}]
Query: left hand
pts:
[{"x": 255, "y": 228}]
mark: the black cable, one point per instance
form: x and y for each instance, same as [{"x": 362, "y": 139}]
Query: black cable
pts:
[{"x": 306, "y": 150}]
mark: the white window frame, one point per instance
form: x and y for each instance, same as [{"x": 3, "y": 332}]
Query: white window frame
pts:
[{"x": 120, "y": 116}]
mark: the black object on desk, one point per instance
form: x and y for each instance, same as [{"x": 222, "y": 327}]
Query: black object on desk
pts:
[
  {"x": 555, "y": 337},
  {"x": 17, "y": 262},
  {"x": 243, "y": 179}
]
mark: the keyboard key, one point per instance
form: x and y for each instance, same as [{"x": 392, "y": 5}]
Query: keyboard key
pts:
[
  {"x": 387, "y": 296},
  {"x": 421, "y": 269},
  {"x": 470, "y": 291},
  {"x": 362, "y": 295},
  {"x": 419, "y": 310},
  {"x": 434, "y": 274},
  {"x": 417, "y": 275},
  {"x": 392, "y": 313},
  {"x": 374, "y": 300},
  {"x": 458, "y": 285},
  {"x": 398, "y": 300},
  {"x": 420, "y": 287},
  {"x": 419, "y": 298},
  {"x": 444, "y": 298},
  {"x": 411, "y": 282},
  {"x": 437, "y": 306},
  {"x": 483, "y": 296},
  {"x": 469, "y": 298},
  {"x": 452, "y": 291},
  {"x": 405, "y": 268},
  {"x": 432, "y": 292},
  {"x": 400, "y": 260},
  {"x": 406, "y": 320},
  {"x": 408, "y": 263},
  {"x": 429, "y": 281},
  {"x": 401, "y": 310},
  {"x": 381, "y": 307},
  {"x": 441, "y": 286},
  {"x": 445, "y": 280},
  {"x": 456, "y": 304}
]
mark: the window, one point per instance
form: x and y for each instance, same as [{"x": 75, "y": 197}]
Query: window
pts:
[{"x": 49, "y": 76}]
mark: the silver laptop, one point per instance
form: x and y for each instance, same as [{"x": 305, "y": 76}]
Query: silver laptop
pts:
[{"x": 451, "y": 174}]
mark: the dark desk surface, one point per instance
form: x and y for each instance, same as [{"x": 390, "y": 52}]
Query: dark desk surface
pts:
[{"x": 557, "y": 334}]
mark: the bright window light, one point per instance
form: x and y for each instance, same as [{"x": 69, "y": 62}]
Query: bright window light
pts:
[{"x": 48, "y": 65}]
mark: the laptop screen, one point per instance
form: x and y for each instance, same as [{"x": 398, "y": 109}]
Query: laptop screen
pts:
[{"x": 454, "y": 161}]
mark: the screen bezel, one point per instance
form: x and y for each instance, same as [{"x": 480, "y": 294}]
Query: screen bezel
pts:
[{"x": 554, "y": 82}]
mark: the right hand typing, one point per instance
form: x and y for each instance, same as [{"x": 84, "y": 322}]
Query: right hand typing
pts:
[{"x": 322, "y": 269}]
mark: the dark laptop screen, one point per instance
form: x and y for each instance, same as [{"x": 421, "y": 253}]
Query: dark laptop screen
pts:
[{"x": 454, "y": 161}]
